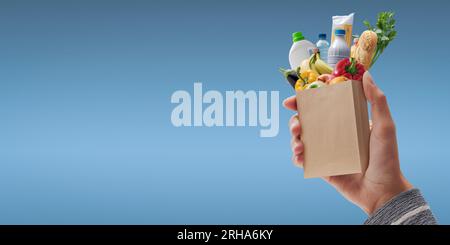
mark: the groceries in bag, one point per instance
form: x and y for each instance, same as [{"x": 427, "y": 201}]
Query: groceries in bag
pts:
[
  {"x": 385, "y": 30},
  {"x": 349, "y": 68},
  {"x": 343, "y": 64},
  {"x": 344, "y": 22},
  {"x": 353, "y": 48},
  {"x": 300, "y": 50},
  {"x": 338, "y": 49},
  {"x": 290, "y": 75},
  {"x": 316, "y": 64},
  {"x": 365, "y": 48},
  {"x": 323, "y": 45}
]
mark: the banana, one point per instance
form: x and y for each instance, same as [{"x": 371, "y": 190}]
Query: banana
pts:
[
  {"x": 316, "y": 64},
  {"x": 319, "y": 65},
  {"x": 314, "y": 68},
  {"x": 322, "y": 67},
  {"x": 311, "y": 63}
]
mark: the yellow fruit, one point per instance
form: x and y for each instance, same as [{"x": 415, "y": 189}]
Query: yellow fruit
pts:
[
  {"x": 299, "y": 85},
  {"x": 318, "y": 65},
  {"x": 312, "y": 77},
  {"x": 322, "y": 67},
  {"x": 309, "y": 76}
]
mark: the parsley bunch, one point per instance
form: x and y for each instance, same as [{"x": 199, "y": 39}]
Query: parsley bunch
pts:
[{"x": 385, "y": 30}]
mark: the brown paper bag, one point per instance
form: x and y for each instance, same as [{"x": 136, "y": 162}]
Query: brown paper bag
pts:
[{"x": 335, "y": 129}]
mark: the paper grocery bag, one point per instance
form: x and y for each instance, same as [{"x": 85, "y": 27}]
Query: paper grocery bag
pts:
[{"x": 335, "y": 129}]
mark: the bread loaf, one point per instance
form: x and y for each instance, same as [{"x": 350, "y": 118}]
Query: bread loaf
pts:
[{"x": 366, "y": 48}]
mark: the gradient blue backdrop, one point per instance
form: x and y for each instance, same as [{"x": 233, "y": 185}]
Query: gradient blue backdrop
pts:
[{"x": 85, "y": 131}]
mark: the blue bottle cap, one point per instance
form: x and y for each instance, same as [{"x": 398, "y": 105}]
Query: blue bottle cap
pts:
[{"x": 339, "y": 32}]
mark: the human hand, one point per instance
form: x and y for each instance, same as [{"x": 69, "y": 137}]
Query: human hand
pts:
[{"x": 383, "y": 178}]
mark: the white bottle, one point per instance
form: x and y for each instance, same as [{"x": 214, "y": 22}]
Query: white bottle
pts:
[
  {"x": 339, "y": 49},
  {"x": 300, "y": 50}
]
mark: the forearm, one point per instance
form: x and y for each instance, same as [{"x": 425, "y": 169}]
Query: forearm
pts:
[{"x": 407, "y": 208}]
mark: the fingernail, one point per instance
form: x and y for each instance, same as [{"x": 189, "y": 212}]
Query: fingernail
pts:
[{"x": 286, "y": 99}]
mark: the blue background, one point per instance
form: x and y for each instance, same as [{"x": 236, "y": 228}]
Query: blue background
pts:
[{"x": 85, "y": 130}]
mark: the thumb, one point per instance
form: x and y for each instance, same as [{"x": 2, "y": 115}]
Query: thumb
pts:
[{"x": 377, "y": 99}]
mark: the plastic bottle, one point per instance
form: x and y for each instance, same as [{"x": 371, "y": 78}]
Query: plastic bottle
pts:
[
  {"x": 300, "y": 50},
  {"x": 339, "y": 49},
  {"x": 323, "y": 46}
]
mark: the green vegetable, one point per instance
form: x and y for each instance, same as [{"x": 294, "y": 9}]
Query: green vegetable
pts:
[{"x": 385, "y": 30}]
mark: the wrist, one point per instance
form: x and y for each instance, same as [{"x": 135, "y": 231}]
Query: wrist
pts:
[{"x": 402, "y": 186}]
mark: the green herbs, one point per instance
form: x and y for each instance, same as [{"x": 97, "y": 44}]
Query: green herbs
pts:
[{"x": 385, "y": 30}]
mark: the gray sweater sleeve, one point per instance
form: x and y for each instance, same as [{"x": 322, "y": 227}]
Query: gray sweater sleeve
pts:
[{"x": 407, "y": 208}]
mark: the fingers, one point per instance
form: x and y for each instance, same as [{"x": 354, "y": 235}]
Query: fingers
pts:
[
  {"x": 294, "y": 126},
  {"x": 382, "y": 123},
  {"x": 296, "y": 144},
  {"x": 377, "y": 99},
  {"x": 290, "y": 103},
  {"x": 298, "y": 160}
]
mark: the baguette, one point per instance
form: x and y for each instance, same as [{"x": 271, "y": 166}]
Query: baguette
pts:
[{"x": 366, "y": 47}]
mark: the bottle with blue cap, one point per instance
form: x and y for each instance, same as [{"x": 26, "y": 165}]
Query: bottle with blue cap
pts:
[
  {"x": 323, "y": 45},
  {"x": 339, "y": 49}
]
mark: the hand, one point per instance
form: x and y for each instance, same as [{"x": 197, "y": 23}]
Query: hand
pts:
[{"x": 383, "y": 178}]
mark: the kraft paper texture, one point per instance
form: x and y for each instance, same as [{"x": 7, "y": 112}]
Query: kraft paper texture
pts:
[{"x": 335, "y": 129}]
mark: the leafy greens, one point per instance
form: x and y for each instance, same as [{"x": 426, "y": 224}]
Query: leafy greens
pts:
[{"x": 385, "y": 30}]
